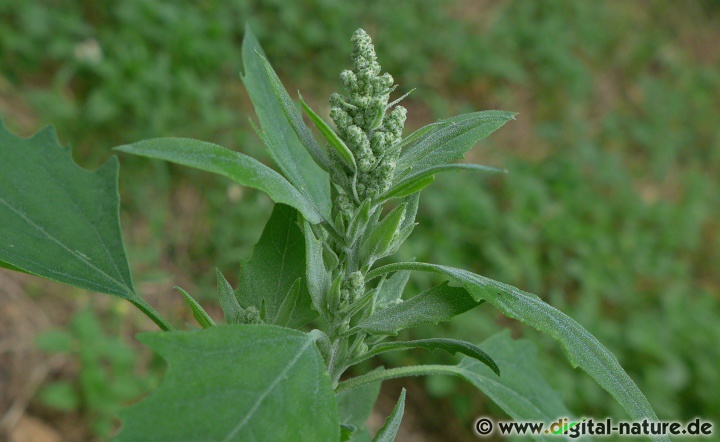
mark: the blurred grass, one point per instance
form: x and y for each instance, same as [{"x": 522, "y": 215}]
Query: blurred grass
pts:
[{"x": 610, "y": 212}]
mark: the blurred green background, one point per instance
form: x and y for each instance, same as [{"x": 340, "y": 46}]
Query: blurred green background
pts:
[{"x": 610, "y": 212}]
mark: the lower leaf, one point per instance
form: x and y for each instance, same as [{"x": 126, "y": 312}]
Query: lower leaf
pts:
[{"x": 236, "y": 383}]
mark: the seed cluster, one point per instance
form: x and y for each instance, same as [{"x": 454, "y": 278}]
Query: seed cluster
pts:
[{"x": 362, "y": 123}]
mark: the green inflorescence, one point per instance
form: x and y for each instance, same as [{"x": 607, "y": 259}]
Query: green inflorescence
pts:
[{"x": 360, "y": 117}]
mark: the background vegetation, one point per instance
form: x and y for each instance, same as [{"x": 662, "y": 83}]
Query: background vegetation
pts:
[{"x": 610, "y": 211}]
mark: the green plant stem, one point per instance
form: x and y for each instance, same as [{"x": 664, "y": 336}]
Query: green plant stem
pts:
[
  {"x": 401, "y": 372},
  {"x": 152, "y": 314}
]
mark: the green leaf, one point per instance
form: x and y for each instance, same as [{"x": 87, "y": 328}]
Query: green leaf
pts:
[
  {"x": 279, "y": 118},
  {"x": 377, "y": 242},
  {"x": 60, "y": 395},
  {"x": 335, "y": 141},
  {"x": 234, "y": 165},
  {"x": 277, "y": 262},
  {"x": 318, "y": 278},
  {"x": 388, "y": 431},
  {"x": 582, "y": 348},
  {"x": 198, "y": 312},
  {"x": 295, "y": 119},
  {"x": 449, "y": 140},
  {"x": 522, "y": 392},
  {"x": 407, "y": 187},
  {"x": 355, "y": 407},
  {"x": 284, "y": 316},
  {"x": 421, "y": 179},
  {"x": 392, "y": 289},
  {"x": 451, "y": 346},
  {"x": 236, "y": 383},
  {"x": 234, "y": 314},
  {"x": 432, "y": 306},
  {"x": 61, "y": 222},
  {"x": 55, "y": 341}
]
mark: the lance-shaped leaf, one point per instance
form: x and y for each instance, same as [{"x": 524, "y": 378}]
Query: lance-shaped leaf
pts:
[
  {"x": 355, "y": 407},
  {"x": 392, "y": 289},
  {"x": 277, "y": 262},
  {"x": 294, "y": 118},
  {"x": 61, "y": 222},
  {"x": 432, "y": 306},
  {"x": 241, "y": 168},
  {"x": 522, "y": 391},
  {"x": 388, "y": 431},
  {"x": 332, "y": 138},
  {"x": 451, "y": 346},
  {"x": 198, "y": 312},
  {"x": 449, "y": 140},
  {"x": 421, "y": 179},
  {"x": 229, "y": 383},
  {"x": 234, "y": 314},
  {"x": 377, "y": 242},
  {"x": 582, "y": 348},
  {"x": 278, "y": 127},
  {"x": 318, "y": 278}
]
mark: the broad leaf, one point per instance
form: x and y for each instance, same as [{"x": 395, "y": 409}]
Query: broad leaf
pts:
[
  {"x": 432, "y": 306},
  {"x": 451, "y": 346},
  {"x": 582, "y": 348},
  {"x": 60, "y": 221},
  {"x": 277, "y": 132},
  {"x": 277, "y": 263},
  {"x": 449, "y": 140},
  {"x": 388, "y": 431},
  {"x": 234, "y": 165},
  {"x": 236, "y": 383},
  {"x": 522, "y": 392}
]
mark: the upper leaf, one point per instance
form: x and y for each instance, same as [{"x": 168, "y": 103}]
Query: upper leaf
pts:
[
  {"x": 236, "y": 383},
  {"x": 234, "y": 165},
  {"x": 448, "y": 140},
  {"x": 277, "y": 132},
  {"x": 432, "y": 306},
  {"x": 278, "y": 261},
  {"x": 60, "y": 221},
  {"x": 582, "y": 348}
]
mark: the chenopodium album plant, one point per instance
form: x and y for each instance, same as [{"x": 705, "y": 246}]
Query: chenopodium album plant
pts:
[{"x": 342, "y": 205}]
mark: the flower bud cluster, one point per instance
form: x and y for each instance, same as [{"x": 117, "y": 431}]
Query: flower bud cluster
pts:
[
  {"x": 361, "y": 121},
  {"x": 353, "y": 287}
]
